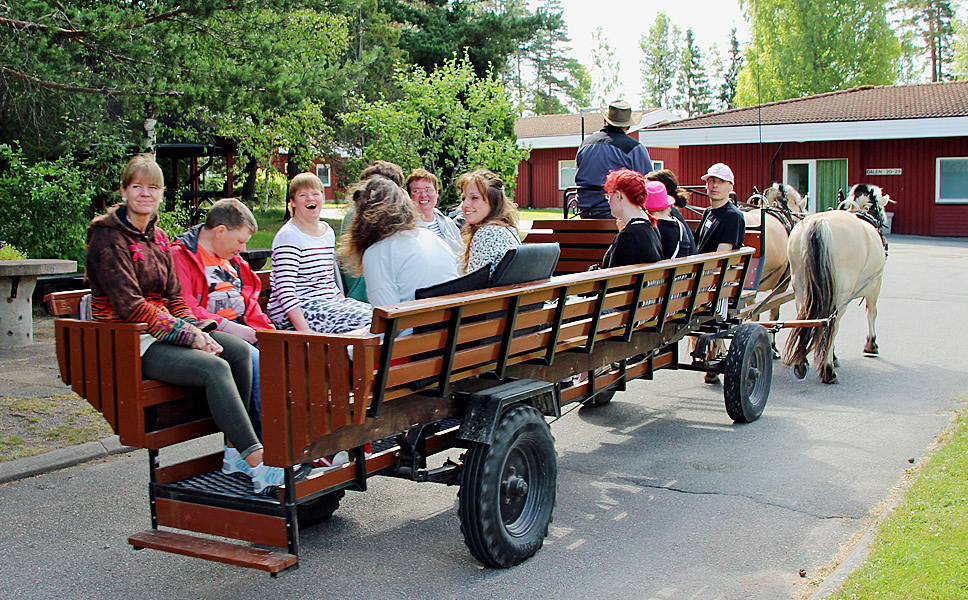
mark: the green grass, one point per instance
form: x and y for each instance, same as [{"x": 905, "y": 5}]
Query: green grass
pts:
[{"x": 921, "y": 551}]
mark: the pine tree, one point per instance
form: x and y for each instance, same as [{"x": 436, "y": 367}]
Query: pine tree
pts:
[
  {"x": 660, "y": 63},
  {"x": 727, "y": 91},
  {"x": 607, "y": 69},
  {"x": 693, "y": 83},
  {"x": 930, "y": 22}
]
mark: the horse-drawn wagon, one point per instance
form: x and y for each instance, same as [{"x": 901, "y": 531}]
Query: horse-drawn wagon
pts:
[{"x": 481, "y": 370}]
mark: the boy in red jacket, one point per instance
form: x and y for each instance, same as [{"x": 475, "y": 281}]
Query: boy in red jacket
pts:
[{"x": 218, "y": 284}]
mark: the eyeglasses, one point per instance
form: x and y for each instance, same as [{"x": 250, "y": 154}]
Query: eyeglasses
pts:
[{"x": 424, "y": 191}]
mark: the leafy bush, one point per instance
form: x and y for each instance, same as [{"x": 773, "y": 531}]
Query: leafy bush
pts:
[
  {"x": 277, "y": 185},
  {"x": 8, "y": 252},
  {"x": 42, "y": 205},
  {"x": 175, "y": 221}
]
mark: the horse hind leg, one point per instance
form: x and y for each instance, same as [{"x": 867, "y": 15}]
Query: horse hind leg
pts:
[
  {"x": 826, "y": 357},
  {"x": 871, "y": 346}
]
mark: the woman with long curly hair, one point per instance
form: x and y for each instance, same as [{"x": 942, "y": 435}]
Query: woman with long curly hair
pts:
[
  {"x": 384, "y": 243},
  {"x": 490, "y": 220}
]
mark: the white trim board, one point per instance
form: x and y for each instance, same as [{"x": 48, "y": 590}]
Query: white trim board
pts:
[{"x": 808, "y": 132}]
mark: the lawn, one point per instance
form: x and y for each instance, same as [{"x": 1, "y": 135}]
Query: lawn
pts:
[{"x": 922, "y": 549}]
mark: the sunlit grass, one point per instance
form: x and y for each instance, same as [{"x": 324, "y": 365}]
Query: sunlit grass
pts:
[{"x": 921, "y": 551}]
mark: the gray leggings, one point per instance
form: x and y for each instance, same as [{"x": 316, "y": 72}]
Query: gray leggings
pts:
[{"x": 227, "y": 380}]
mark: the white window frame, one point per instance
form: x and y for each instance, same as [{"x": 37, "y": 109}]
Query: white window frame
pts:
[
  {"x": 327, "y": 181},
  {"x": 562, "y": 164},
  {"x": 811, "y": 180},
  {"x": 658, "y": 165},
  {"x": 937, "y": 181}
]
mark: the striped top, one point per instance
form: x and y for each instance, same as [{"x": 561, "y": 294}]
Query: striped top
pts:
[{"x": 302, "y": 269}]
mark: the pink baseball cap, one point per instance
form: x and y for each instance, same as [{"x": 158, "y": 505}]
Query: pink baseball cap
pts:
[
  {"x": 720, "y": 170},
  {"x": 656, "y": 197}
]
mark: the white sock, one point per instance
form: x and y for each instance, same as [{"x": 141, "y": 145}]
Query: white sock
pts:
[{"x": 231, "y": 452}]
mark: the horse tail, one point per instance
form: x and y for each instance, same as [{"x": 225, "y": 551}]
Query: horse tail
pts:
[{"x": 819, "y": 301}]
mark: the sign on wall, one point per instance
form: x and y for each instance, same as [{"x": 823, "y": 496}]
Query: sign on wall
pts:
[{"x": 883, "y": 171}]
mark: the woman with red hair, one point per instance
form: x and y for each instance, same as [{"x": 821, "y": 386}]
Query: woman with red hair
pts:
[{"x": 638, "y": 240}]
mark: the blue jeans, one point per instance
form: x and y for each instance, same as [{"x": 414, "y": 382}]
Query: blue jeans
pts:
[{"x": 255, "y": 407}]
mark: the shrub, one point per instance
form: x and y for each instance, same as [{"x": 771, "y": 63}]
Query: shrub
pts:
[
  {"x": 8, "y": 252},
  {"x": 42, "y": 205}
]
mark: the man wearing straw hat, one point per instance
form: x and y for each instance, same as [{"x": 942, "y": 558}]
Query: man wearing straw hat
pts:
[{"x": 604, "y": 151}]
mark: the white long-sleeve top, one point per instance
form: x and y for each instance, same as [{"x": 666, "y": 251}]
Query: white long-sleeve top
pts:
[{"x": 395, "y": 267}]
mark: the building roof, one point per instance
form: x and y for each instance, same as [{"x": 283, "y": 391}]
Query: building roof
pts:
[
  {"x": 868, "y": 103},
  {"x": 564, "y": 131},
  {"x": 928, "y": 110},
  {"x": 567, "y": 124}
]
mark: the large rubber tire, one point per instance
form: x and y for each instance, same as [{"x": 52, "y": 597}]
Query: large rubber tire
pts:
[
  {"x": 507, "y": 490},
  {"x": 748, "y": 373},
  {"x": 601, "y": 398},
  {"x": 318, "y": 509}
]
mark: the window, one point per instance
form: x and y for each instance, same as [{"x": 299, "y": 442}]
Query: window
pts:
[
  {"x": 657, "y": 165},
  {"x": 820, "y": 180},
  {"x": 951, "y": 183},
  {"x": 566, "y": 174},
  {"x": 322, "y": 171}
]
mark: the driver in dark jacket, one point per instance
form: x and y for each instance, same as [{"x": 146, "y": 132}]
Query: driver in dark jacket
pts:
[{"x": 607, "y": 150}]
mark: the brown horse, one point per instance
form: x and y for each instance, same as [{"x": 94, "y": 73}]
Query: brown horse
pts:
[{"x": 835, "y": 256}]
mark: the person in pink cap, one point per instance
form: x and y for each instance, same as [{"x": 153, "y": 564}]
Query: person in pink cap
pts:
[
  {"x": 638, "y": 241},
  {"x": 722, "y": 226},
  {"x": 675, "y": 237}
]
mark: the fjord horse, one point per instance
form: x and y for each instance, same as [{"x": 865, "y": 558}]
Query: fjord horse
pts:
[
  {"x": 785, "y": 207},
  {"x": 835, "y": 256}
]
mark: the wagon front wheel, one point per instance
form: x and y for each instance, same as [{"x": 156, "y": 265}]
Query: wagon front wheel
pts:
[
  {"x": 748, "y": 373},
  {"x": 507, "y": 489}
]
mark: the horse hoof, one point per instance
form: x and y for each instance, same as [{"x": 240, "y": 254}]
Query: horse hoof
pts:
[
  {"x": 711, "y": 378},
  {"x": 800, "y": 371},
  {"x": 871, "y": 349},
  {"x": 827, "y": 375}
]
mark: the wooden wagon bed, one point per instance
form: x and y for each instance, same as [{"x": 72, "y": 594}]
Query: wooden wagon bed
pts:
[{"x": 421, "y": 382}]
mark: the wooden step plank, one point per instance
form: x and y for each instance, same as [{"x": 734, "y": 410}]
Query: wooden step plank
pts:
[{"x": 215, "y": 550}]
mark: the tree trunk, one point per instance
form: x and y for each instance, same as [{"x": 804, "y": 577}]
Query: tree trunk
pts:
[{"x": 248, "y": 188}]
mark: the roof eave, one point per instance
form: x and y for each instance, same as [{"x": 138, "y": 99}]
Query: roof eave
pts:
[{"x": 930, "y": 127}]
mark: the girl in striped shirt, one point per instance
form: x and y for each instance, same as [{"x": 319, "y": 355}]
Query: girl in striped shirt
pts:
[{"x": 305, "y": 295}]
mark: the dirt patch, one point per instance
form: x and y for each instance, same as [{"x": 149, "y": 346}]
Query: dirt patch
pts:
[{"x": 31, "y": 426}]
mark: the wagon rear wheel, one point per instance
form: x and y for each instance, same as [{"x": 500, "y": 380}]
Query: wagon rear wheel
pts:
[
  {"x": 507, "y": 490},
  {"x": 748, "y": 372},
  {"x": 320, "y": 509}
]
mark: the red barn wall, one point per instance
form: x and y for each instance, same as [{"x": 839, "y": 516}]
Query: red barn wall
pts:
[
  {"x": 914, "y": 190},
  {"x": 537, "y": 182}
]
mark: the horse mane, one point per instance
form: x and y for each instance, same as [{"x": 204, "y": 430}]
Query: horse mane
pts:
[{"x": 794, "y": 201}]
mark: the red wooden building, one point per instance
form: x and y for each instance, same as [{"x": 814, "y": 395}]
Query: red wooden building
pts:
[
  {"x": 910, "y": 140},
  {"x": 553, "y": 141}
]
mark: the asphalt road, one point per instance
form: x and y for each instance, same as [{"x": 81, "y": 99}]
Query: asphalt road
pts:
[{"x": 659, "y": 494}]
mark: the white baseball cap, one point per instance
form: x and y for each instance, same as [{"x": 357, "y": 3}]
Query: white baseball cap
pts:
[{"x": 719, "y": 170}]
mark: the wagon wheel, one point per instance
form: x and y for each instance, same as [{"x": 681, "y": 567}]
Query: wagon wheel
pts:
[
  {"x": 507, "y": 489},
  {"x": 748, "y": 372},
  {"x": 600, "y": 399},
  {"x": 320, "y": 509}
]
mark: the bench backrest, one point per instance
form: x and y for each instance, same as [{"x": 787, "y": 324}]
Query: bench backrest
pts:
[
  {"x": 316, "y": 388},
  {"x": 583, "y": 242}
]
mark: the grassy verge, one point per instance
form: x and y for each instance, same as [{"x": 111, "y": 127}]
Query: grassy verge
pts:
[
  {"x": 922, "y": 549},
  {"x": 31, "y": 426}
]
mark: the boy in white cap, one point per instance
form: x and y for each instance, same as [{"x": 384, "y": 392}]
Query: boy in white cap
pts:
[{"x": 722, "y": 226}]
